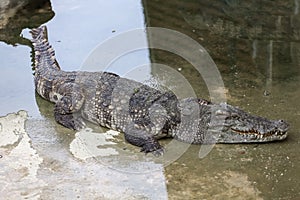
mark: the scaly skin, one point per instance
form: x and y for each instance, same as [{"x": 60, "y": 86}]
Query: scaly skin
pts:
[{"x": 143, "y": 113}]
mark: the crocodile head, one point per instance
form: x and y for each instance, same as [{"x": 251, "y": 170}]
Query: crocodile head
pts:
[{"x": 230, "y": 124}]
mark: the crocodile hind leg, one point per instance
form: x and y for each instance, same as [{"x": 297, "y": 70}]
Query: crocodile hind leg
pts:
[{"x": 67, "y": 107}]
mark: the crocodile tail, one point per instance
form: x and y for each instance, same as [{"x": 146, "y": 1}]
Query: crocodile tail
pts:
[{"x": 43, "y": 53}]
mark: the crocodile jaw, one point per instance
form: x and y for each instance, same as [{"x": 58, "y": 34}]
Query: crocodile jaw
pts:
[
  {"x": 241, "y": 127},
  {"x": 251, "y": 136}
]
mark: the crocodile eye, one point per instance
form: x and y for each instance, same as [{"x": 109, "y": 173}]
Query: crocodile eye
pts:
[{"x": 222, "y": 112}]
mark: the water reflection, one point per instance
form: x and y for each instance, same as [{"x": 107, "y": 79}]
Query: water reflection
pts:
[
  {"x": 235, "y": 32},
  {"x": 255, "y": 45},
  {"x": 17, "y": 15},
  {"x": 96, "y": 22}
]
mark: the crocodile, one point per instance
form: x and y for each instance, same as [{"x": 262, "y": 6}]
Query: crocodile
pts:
[{"x": 143, "y": 113}]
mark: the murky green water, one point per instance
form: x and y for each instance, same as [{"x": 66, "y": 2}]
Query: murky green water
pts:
[{"x": 256, "y": 47}]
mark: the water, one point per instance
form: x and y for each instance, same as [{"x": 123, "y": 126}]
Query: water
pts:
[{"x": 255, "y": 46}]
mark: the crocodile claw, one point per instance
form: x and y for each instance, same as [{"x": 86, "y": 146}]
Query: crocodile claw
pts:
[
  {"x": 70, "y": 121},
  {"x": 154, "y": 148},
  {"x": 78, "y": 124}
]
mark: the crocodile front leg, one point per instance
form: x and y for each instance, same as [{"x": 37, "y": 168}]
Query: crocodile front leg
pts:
[
  {"x": 143, "y": 132},
  {"x": 138, "y": 135},
  {"x": 67, "y": 107}
]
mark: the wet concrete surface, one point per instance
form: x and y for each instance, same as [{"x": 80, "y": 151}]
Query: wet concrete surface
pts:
[
  {"x": 39, "y": 159},
  {"x": 40, "y": 165}
]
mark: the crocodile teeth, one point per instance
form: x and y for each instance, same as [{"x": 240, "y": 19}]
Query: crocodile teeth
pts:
[{"x": 261, "y": 136}]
